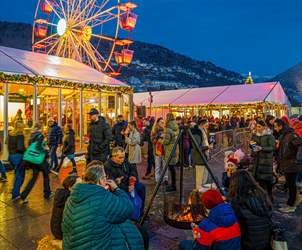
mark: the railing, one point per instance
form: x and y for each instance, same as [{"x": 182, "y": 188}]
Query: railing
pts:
[{"x": 230, "y": 139}]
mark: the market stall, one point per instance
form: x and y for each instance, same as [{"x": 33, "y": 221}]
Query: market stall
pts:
[
  {"x": 39, "y": 87},
  {"x": 242, "y": 100}
]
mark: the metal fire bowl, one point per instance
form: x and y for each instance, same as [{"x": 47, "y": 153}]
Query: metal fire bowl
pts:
[{"x": 169, "y": 210}]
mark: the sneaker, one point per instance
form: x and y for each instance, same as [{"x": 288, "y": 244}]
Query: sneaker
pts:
[
  {"x": 54, "y": 172},
  {"x": 287, "y": 209},
  {"x": 3, "y": 179},
  {"x": 14, "y": 199},
  {"x": 49, "y": 196},
  {"x": 25, "y": 201},
  {"x": 170, "y": 189},
  {"x": 165, "y": 183},
  {"x": 73, "y": 172}
]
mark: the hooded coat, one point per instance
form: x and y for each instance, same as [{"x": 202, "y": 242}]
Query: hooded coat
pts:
[
  {"x": 133, "y": 147},
  {"x": 255, "y": 223},
  {"x": 220, "y": 230},
  {"x": 100, "y": 136},
  {"x": 289, "y": 143},
  {"x": 169, "y": 140},
  {"x": 263, "y": 160},
  {"x": 96, "y": 219},
  {"x": 69, "y": 143},
  {"x": 60, "y": 199}
]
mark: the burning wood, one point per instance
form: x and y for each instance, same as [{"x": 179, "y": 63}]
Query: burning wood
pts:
[{"x": 193, "y": 211}]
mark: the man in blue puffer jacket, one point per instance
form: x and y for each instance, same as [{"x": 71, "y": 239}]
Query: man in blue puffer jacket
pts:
[
  {"x": 220, "y": 231},
  {"x": 54, "y": 140}
]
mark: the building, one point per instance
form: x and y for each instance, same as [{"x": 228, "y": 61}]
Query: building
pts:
[
  {"x": 44, "y": 87},
  {"x": 242, "y": 100}
]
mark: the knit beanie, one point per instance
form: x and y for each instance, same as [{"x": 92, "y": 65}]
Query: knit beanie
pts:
[
  {"x": 211, "y": 198},
  {"x": 285, "y": 119}
]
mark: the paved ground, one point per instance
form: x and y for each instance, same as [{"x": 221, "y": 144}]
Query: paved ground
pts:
[{"x": 21, "y": 226}]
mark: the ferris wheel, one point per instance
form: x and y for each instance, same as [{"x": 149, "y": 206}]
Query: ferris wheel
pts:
[{"x": 87, "y": 31}]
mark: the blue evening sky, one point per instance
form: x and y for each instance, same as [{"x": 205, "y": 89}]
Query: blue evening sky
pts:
[{"x": 262, "y": 36}]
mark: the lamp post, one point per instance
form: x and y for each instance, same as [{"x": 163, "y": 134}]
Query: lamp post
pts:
[{"x": 150, "y": 101}]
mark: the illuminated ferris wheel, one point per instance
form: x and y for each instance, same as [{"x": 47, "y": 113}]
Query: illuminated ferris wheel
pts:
[{"x": 87, "y": 31}]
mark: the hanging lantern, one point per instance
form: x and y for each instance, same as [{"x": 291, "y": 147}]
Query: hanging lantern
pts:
[
  {"x": 46, "y": 7},
  {"x": 127, "y": 56},
  {"x": 128, "y": 21},
  {"x": 40, "y": 31}
]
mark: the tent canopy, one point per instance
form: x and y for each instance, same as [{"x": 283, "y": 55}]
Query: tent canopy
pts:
[
  {"x": 232, "y": 94},
  {"x": 16, "y": 61}
]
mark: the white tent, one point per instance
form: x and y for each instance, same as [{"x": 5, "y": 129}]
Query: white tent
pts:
[
  {"x": 16, "y": 61},
  {"x": 271, "y": 92}
]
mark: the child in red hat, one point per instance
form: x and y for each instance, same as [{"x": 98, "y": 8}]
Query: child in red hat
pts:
[{"x": 219, "y": 231}]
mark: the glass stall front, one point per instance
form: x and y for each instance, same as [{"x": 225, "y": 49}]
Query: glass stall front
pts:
[{"x": 22, "y": 102}]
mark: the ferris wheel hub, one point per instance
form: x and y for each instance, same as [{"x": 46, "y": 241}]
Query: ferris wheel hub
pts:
[
  {"x": 61, "y": 27},
  {"x": 87, "y": 32}
]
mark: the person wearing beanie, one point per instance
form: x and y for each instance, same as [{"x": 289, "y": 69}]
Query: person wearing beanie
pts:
[
  {"x": 285, "y": 119},
  {"x": 219, "y": 231},
  {"x": 269, "y": 120}
]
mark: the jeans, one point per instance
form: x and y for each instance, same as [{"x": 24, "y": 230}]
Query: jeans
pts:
[
  {"x": 36, "y": 170},
  {"x": 150, "y": 161},
  {"x": 141, "y": 191},
  {"x": 53, "y": 157},
  {"x": 292, "y": 188},
  {"x": 16, "y": 160},
  {"x": 2, "y": 170},
  {"x": 74, "y": 165},
  {"x": 158, "y": 168}
]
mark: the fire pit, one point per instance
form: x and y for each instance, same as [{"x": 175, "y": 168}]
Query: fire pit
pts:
[{"x": 181, "y": 216}]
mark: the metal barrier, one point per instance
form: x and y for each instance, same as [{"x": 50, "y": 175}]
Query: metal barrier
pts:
[{"x": 230, "y": 139}]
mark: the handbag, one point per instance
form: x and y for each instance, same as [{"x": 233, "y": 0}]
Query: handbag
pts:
[
  {"x": 33, "y": 154},
  {"x": 278, "y": 240}
]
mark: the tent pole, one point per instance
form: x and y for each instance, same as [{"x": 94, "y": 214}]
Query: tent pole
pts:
[
  {"x": 5, "y": 113},
  {"x": 60, "y": 107},
  {"x": 35, "y": 104},
  {"x": 81, "y": 119}
]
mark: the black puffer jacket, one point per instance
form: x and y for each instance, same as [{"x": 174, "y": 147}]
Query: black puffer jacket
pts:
[
  {"x": 125, "y": 170},
  {"x": 60, "y": 199},
  {"x": 255, "y": 224},
  {"x": 55, "y": 135},
  {"x": 263, "y": 160},
  {"x": 118, "y": 137},
  {"x": 198, "y": 136},
  {"x": 100, "y": 136},
  {"x": 289, "y": 142}
]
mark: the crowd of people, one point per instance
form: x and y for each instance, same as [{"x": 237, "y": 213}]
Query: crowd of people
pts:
[{"x": 100, "y": 209}]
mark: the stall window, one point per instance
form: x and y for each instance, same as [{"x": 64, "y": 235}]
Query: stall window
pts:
[
  {"x": 47, "y": 105},
  {"x": 71, "y": 112}
]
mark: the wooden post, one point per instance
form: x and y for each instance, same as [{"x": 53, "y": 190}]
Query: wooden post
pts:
[{"x": 81, "y": 119}]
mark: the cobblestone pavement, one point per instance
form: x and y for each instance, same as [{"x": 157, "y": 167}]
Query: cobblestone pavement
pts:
[{"x": 21, "y": 226}]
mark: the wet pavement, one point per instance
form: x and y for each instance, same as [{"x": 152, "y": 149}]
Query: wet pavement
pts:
[{"x": 22, "y": 226}]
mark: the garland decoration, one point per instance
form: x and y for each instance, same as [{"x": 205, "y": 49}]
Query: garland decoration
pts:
[{"x": 40, "y": 80}]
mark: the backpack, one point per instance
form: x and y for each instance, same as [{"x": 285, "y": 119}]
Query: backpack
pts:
[{"x": 33, "y": 154}]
